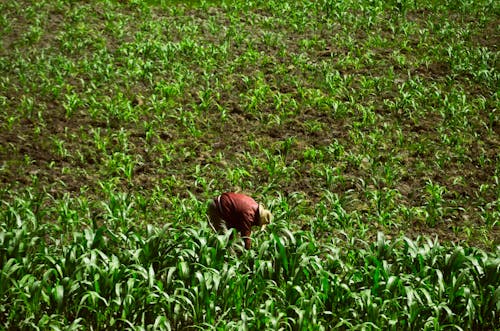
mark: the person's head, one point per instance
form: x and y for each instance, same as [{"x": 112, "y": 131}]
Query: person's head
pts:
[{"x": 265, "y": 217}]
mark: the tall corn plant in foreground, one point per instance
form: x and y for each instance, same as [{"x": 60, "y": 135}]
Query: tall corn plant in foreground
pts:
[{"x": 185, "y": 276}]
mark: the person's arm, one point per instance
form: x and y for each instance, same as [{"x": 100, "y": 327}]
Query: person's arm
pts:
[{"x": 246, "y": 238}]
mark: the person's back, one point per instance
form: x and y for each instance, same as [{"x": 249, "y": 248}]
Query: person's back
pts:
[{"x": 238, "y": 211}]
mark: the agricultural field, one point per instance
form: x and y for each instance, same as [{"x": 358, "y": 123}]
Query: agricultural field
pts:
[{"x": 371, "y": 130}]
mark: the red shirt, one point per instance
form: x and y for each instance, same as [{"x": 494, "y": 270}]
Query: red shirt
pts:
[{"x": 240, "y": 212}]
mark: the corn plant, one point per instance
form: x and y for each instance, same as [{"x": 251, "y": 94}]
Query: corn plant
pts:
[
  {"x": 368, "y": 127},
  {"x": 188, "y": 276}
]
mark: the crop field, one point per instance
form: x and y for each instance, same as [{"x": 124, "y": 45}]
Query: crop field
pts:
[{"x": 370, "y": 128}]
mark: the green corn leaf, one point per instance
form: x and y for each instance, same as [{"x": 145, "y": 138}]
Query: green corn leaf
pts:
[
  {"x": 58, "y": 293},
  {"x": 151, "y": 276},
  {"x": 183, "y": 269},
  {"x": 283, "y": 258}
]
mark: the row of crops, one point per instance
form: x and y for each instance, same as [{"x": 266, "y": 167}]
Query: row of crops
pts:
[
  {"x": 115, "y": 275},
  {"x": 348, "y": 119}
]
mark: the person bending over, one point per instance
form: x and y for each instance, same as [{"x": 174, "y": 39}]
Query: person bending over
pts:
[{"x": 238, "y": 211}]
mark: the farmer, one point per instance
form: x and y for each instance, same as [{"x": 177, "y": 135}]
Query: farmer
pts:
[{"x": 238, "y": 211}]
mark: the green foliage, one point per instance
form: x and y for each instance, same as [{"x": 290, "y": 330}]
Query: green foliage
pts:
[
  {"x": 179, "y": 276},
  {"x": 119, "y": 119}
]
